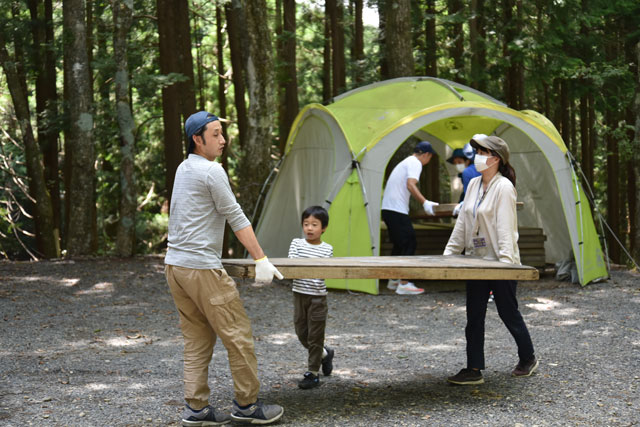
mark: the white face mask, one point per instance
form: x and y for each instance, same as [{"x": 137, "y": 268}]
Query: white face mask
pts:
[
  {"x": 461, "y": 167},
  {"x": 481, "y": 162}
]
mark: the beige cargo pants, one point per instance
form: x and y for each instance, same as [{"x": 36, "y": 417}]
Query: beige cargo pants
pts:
[{"x": 210, "y": 306}]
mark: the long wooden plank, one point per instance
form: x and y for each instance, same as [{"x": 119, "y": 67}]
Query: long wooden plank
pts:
[{"x": 427, "y": 267}]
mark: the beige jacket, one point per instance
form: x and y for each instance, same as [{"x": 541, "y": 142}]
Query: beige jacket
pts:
[{"x": 492, "y": 216}]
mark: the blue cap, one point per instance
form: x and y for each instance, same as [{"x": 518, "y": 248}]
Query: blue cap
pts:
[
  {"x": 423, "y": 147},
  {"x": 194, "y": 123},
  {"x": 458, "y": 152}
]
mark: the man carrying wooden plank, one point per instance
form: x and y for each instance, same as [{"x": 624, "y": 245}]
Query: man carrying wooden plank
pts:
[
  {"x": 205, "y": 296},
  {"x": 401, "y": 185}
]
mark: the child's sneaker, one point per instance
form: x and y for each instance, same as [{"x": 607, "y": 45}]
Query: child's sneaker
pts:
[
  {"x": 256, "y": 413},
  {"x": 206, "y": 416},
  {"x": 408, "y": 289},
  {"x": 392, "y": 284},
  {"x": 309, "y": 381},
  {"x": 327, "y": 362}
]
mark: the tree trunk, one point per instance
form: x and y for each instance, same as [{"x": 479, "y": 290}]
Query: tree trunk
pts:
[
  {"x": 47, "y": 238},
  {"x": 398, "y": 42},
  {"x": 287, "y": 76},
  {"x": 339, "y": 83},
  {"x": 235, "y": 47},
  {"x": 382, "y": 39},
  {"x": 222, "y": 83},
  {"x": 255, "y": 163},
  {"x": 510, "y": 86},
  {"x": 456, "y": 35},
  {"x": 564, "y": 112},
  {"x": 358, "y": 43},
  {"x": 46, "y": 99},
  {"x": 173, "y": 135},
  {"x": 125, "y": 241},
  {"x": 326, "y": 53},
  {"x": 613, "y": 186},
  {"x": 585, "y": 142},
  {"x": 593, "y": 139},
  {"x": 431, "y": 42},
  {"x": 77, "y": 75},
  {"x": 636, "y": 154},
  {"x": 184, "y": 60}
]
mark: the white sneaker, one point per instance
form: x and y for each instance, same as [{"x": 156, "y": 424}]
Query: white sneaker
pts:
[
  {"x": 392, "y": 284},
  {"x": 408, "y": 289}
]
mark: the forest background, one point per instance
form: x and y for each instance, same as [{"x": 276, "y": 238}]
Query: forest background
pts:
[{"x": 94, "y": 93}]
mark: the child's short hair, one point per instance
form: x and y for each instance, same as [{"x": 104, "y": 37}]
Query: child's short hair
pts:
[{"x": 318, "y": 212}]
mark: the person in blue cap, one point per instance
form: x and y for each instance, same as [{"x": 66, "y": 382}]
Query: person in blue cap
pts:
[
  {"x": 207, "y": 300},
  {"x": 401, "y": 185},
  {"x": 462, "y": 158}
]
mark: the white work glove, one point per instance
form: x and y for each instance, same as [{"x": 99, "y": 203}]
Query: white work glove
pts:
[
  {"x": 428, "y": 207},
  {"x": 456, "y": 210},
  {"x": 265, "y": 271}
]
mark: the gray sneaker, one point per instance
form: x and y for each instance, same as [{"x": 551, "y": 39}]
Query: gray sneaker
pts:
[
  {"x": 207, "y": 416},
  {"x": 257, "y": 413}
]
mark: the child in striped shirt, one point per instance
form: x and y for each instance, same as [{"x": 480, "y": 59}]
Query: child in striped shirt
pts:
[{"x": 310, "y": 297}]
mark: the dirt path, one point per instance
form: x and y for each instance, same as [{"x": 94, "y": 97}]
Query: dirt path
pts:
[{"x": 97, "y": 342}]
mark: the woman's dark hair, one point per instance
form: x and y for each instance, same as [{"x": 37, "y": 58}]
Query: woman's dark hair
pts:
[
  {"x": 317, "y": 212},
  {"x": 506, "y": 169}
]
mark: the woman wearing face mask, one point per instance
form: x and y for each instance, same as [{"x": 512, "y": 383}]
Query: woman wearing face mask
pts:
[{"x": 487, "y": 227}]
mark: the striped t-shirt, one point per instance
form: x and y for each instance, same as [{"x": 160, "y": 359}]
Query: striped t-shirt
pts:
[{"x": 300, "y": 248}]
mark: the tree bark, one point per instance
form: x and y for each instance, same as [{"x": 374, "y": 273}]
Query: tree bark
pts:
[
  {"x": 456, "y": 34},
  {"x": 358, "y": 42},
  {"x": 81, "y": 192},
  {"x": 47, "y": 238},
  {"x": 255, "y": 163},
  {"x": 431, "y": 42},
  {"x": 125, "y": 241},
  {"x": 398, "y": 42},
  {"x": 636, "y": 153},
  {"x": 585, "y": 143},
  {"x": 326, "y": 53},
  {"x": 184, "y": 60},
  {"x": 339, "y": 74},
  {"x": 46, "y": 98},
  {"x": 235, "y": 48},
  {"x": 287, "y": 73},
  {"x": 173, "y": 135},
  {"x": 178, "y": 99}
]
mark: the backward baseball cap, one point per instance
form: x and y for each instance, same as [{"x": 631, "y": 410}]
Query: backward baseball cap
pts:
[
  {"x": 194, "y": 123},
  {"x": 492, "y": 143}
]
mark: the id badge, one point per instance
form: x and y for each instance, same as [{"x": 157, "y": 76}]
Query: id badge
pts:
[{"x": 479, "y": 243}]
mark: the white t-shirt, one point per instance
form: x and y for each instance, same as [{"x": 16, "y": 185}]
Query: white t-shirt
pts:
[{"x": 396, "y": 194}]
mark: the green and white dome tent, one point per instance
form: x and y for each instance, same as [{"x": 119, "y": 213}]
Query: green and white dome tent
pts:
[{"x": 336, "y": 156}]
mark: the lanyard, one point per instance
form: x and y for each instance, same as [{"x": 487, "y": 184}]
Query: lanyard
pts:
[{"x": 477, "y": 205}]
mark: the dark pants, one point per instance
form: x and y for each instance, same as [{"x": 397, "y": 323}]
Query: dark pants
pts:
[
  {"x": 401, "y": 232},
  {"x": 504, "y": 294},
  {"x": 310, "y": 319}
]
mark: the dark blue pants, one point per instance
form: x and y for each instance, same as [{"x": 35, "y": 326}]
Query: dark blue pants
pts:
[
  {"x": 401, "y": 232},
  {"x": 504, "y": 294}
]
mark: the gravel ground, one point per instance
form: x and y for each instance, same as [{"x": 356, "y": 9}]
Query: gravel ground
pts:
[{"x": 97, "y": 342}]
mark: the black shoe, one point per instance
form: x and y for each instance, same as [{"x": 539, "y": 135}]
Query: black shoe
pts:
[
  {"x": 466, "y": 376},
  {"x": 309, "y": 381},
  {"x": 525, "y": 369},
  {"x": 327, "y": 362},
  {"x": 207, "y": 416}
]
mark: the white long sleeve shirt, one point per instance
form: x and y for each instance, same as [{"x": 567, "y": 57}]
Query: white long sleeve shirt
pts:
[
  {"x": 490, "y": 214},
  {"x": 201, "y": 202}
]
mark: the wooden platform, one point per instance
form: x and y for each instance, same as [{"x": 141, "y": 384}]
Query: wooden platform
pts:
[{"x": 434, "y": 267}]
